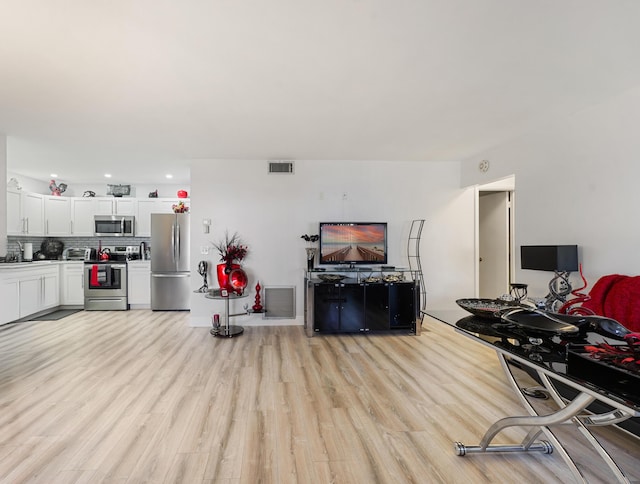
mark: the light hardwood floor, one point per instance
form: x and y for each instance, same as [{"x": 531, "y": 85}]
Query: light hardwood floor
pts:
[{"x": 138, "y": 396}]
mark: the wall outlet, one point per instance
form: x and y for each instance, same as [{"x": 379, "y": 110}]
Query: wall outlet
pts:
[{"x": 204, "y": 250}]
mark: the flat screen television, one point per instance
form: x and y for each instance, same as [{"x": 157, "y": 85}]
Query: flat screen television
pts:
[{"x": 353, "y": 243}]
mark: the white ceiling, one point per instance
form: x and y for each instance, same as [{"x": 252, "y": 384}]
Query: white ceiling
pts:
[{"x": 140, "y": 87}]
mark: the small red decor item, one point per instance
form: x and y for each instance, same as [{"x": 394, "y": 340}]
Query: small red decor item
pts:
[
  {"x": 182, "y": 194},
  {"x": 257, "y": 308}
]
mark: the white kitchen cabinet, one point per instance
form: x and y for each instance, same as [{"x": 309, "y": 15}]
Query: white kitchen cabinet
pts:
[
  {"x": 82, "y": 212},
  {"x": 32, "y": 211},
  {"x": 72, "y": 284},
  {"x": 14, "y": 217},
  {"x": 125, "y": 206},
  {"x": 139, "y": 284},
  {"x": 103, "y": 206},
  {"x": 38, "y": 289},
  {"x": 33, "y": 287},
  {"x": 9, "y": 299},
  {"x": 146, "y": 207},
  {"x": 25, "y": 213},
  {"x": 57, "y": 211},
  {"x": 143, "y": 220},
  {"x": 165, "y": 205}
]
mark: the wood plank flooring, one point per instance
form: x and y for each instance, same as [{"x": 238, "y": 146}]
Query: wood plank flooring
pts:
[{"x": 139, "y": 396}]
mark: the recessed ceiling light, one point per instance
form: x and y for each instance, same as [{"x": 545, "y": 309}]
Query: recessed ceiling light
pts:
[
  {"x": 54, "y": 175},
  {"x": 107, "y": 175},
  {"x": 168, "y": 175}
]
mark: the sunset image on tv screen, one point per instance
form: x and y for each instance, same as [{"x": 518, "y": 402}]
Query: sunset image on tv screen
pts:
[{"x": 353, "y": 243}]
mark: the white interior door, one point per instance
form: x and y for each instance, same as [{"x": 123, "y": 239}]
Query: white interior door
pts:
[{"x": 494, "y": 244}]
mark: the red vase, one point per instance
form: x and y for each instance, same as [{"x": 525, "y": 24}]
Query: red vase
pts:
[{"x": 223, "y": 272}]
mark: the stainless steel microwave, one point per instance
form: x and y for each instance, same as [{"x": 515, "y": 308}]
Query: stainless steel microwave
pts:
[{"x": 114, "y": 225}]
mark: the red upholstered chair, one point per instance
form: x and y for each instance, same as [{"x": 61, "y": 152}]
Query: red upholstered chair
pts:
[{"x": 614, "y": 296}]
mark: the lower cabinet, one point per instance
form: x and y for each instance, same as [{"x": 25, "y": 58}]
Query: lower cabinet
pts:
[
  {"x": 72, "y": 282},
  {"x": 38, "y": 289},
  {"x": 10, "y": 300},
  {"x": 139, "y": 284},
  {"x": 28, "y": 290},
  {"x": 359, "y": 307}
]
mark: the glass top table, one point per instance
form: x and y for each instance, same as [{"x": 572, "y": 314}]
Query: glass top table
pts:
[
  {"x": 544, "y": 356},
  {"x": 226, "y": 330}
]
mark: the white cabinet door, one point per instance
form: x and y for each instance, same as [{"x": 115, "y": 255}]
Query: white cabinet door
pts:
[
  {"x": 32, "y": 210},
  {"x": 165, "y": 205},
  {"x": 30, "y": 288},
  {"x": 14, "y": 218},
  {"x": 139, "y": 283},
  {"x": 38, "y": 289},
  {"x": 72, "y": 284},
  {"x": 57, "y": 212},
  {"x": 9, "y": 300},
  {"x": 125, "y": 206},
  {"x": 82, "y": 212},
  {"x": 143, "y": 220},
  {"x": 50, "y": 296},
  {"x": 104, "y": 206}
]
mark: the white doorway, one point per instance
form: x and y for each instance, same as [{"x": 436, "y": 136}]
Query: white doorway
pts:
[{"x": 494, "y": 249}]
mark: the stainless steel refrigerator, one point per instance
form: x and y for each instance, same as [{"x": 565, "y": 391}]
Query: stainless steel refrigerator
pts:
[{"x": 170, "y": 275}]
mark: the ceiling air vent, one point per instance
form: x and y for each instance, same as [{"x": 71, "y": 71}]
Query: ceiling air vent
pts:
[{"x": 281, "y": 167}]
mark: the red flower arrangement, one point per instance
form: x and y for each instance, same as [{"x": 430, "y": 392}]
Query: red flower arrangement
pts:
[{"x": 231, "y": 249}]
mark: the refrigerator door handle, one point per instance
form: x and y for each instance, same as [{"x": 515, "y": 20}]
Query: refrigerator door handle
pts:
[
  {"x": 178, "y": 248},
  {"x": 173, "y": 243}
]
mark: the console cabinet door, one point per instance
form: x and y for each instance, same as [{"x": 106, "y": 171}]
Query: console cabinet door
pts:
[
  {"x": 376, "y": 308},
  {"x": 351, "y": 308},
  {"x": 402, "y": 304},
  {"x": 326, "y": 309}
]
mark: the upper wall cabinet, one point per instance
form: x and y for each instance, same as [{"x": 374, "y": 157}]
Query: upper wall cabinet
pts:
[
  {"x": 37, "y": 215},
  {"x": 115, "y": 206},
  {"x": 82, "y": 212},
  {"x": 148, "y": 206},
  {"x": 57, "y": 212},
  {"x": 25, "y": 213}
]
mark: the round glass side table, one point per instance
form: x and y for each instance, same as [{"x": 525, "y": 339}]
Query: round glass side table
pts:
[{"x": 226, "y": 330}]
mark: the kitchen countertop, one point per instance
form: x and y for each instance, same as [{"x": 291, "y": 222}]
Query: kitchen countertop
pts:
[{"x": 35, "y": 263}]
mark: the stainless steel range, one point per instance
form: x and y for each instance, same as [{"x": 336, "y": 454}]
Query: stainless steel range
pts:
[{"x": 105, "y": 286}]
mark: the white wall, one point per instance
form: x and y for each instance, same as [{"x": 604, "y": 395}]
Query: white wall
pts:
[
  {"x": 3, "y": 192},
  {"x": 271, "y": 212},
  {"x": 577, "y": 182}
]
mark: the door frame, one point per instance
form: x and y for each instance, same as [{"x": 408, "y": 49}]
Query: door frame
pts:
[{"x": 506, "y": 184}]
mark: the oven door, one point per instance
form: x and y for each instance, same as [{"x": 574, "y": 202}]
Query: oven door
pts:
[{"x": 105, "y": 280}]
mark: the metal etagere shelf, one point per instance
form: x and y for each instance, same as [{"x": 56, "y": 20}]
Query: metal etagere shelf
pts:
[{"x": 413, "y": 255}]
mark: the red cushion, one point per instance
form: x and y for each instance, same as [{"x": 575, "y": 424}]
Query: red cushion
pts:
[{"x": 618, "y": 297}]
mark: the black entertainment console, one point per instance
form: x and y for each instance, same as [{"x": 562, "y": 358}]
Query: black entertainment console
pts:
[{"x": 351, "y": 300}]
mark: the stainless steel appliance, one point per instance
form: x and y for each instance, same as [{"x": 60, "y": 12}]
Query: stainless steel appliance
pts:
[
  {"x": 170, "y": 275},
  {"x": 114, "y": 225},
  {"x": 74, "y": 253},
  {"x": 105, "y": 286}
]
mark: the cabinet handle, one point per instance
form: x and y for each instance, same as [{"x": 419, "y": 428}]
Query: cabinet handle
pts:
[{"x": 47, "y": 228}]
